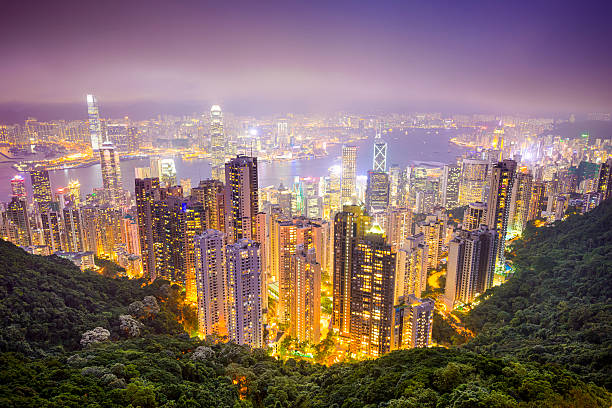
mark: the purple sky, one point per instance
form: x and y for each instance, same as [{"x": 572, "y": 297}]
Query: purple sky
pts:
[{"x": 310, "y": 55}]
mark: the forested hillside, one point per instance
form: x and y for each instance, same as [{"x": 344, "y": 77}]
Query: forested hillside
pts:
[{"x": 557, "y": 308}]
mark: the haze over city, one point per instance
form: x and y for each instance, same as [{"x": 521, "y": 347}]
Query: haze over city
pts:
[{"x": 305, "y": 204}]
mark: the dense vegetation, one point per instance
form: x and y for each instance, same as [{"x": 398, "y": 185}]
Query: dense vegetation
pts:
[
  {"x": 554, "y": 315},
  {"x": 181, "y": 372},
  {"x": 557, "y": 308}
]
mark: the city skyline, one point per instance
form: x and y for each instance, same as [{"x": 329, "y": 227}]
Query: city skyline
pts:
[{"x": 149, "y": 58}]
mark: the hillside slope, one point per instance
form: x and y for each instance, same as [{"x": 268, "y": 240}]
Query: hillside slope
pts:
[{"x": 557, "y": 308}]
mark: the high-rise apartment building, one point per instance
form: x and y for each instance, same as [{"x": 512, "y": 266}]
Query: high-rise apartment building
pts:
[
  {"x": 519, "y": 202},
  {"x": 470, "y": 267},
  {"x": 604, "y": 180},
  {"x": 51, "y": 222},
  {"x": 17, "y": 215},
  {"x": 146, "y": 191},
  {"x": 377, "y": 192},
  {"x": 473, "y": 181},
  {"x": 412, "y": 323},
  {"x": 434, "y": 230},
  {"x": 111, "y": 173},
  {"x": 41, "y": 190},
  {"x": 474, "y": 216},
  {"x": 449, "y": 187},
  {"x": 18, "y": 188},
  {"x": 372, "y": 294},
  {"x": 93, "y": 117},
  {"x": 498, "y": 206},
  {"x": 73, "y": 230},
  {"x": 211, "y": 281},
  {"x": 349, "y": 175},
  {"x": 412, "y": 262},
  {"x": 398, "y": 225},
  {"x": 241, "y": 198},
  {"x": 211, "y": 194},
  {"x": 537, "y": 200},
  {"x": 245, "y": 321},
  {"x": 349, "y": 226},
  {"x": 305, "y": 313}
]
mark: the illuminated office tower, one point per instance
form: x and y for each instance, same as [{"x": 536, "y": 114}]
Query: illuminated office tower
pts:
[
  {"x": 217, "y": 142},
  {"x": 73, "y": 230},
  {"x": 145, "y": 191},
  {"x": 604, "y": 182},
  {"x": 167, "y": 172},
  {"x": 111, "y": 172},
  {"x": 133, "y": 139},
  {"x": 377, "y": 192},
  {"x": 371, "y": 294},
  {"x": 349, "y": 177},
  {"x": 394, "y": 184},
  {"x": 380, "y": 154},
  {"x": 282, "y": 133},
  {"x": 245, "y": 321},
  {"x": 519, "y": 202},
  {"x": 449, "y": 187},
  {"x": 17, "y": 215},
  {"x": 51, "y": 225},
  {"x": 434, "y": 230},
  {"x": 108, "y": 231},
  {"x": 537, "y": 200},
  {"x": 412, "y": 261},
  {"x": 305, "y": 318},
  {"x": 473, "y": 181},
  {"x": 241, "y": 198},
  {"x": 129, "y": 234},
  {"x": 74, "y": 190},
  {"x": 93, "y": 117},
  {"x": 471, "y": 262},
  {"x": 211, "y": 193},
  {"x": 41, "y": 188},
  {"x": 349, "y": 225},
  {"x": 398, "y": 225},
  {"x": 474, "y": 216},
  {"x": 498, "y": 206},
  {"x": 211, "y": 281},
  {"x": 412, "y": 323},
  {"x": 18, "y": 188}
]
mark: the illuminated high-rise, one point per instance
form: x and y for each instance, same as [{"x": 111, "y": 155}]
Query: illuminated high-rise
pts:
[
  {"x": 17, "y": 214},
  {"x": 41, "y": 188},
  {"x": 241, "y": 198},
  {"x": 211, "y": 282},
  {"x": 349, "y": 175},
  {"x": 282, "y": 133},
  {"x": 74, "y": 190},
  {"x": 73, "y": 229},
  {"x": 245, "y": 320},
  {"x": 473, "y": 181},
  {"x": 377, "y": 192},
  {"x": 434, "y": 230},
  {"x": 471, "y": 261},
  {"x": 146, "y": 191},
  {"x": 111, "y": 172},
  {"x": 474, "y": 216},
  {"x": 398, "y": 225},
  {"x": 519, "y": 202},
  {"x": 604, "y": 180},
  {"x": 412, "y": 323},
  {"x": 349, "y": 226},
  {"x": 412, "y": 261},
  {"x": 93, "y": 117},
  {"x": 305, "y": 313},
  {"x": 498, "y": 206},
  {"x": 18, "y": 188},
  {"x": 217, "y": 142},
  {"x": 211, "y": 194},
  {"x": 372, "y": 291},
  {"x": 379, "y": 162},
  {"x": 449, "y": 186},
  {"x": 537, "y": 200},
  {"x": 51, "y": 222}
]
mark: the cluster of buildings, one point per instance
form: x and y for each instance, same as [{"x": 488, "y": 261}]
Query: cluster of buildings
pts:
[{"x": 259, "y": 263}]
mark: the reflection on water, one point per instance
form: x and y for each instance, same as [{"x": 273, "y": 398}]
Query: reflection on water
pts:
[{"x": 419, "y": 145}]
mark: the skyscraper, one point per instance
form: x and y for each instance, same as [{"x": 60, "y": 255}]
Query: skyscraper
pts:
[
  {"x": 349, "y": 177},
  {"x": 471, "y": 261},
  {"x": 474, "y": 216},
  {"x": 217, "y": 142},
  {"x": 398, "y": 225},
  {"x": 412, "y": 261},
  {"x": 245, "y": 321},
  {"x": 306, "y": 295},
  {"x": 52, "y": 230},
  {"x": 604, "y": 182},
  {"x": 73, "y": 229},
  {"x": 449, "y": 187},
  {"x": 93, "y": 117},
  {"x": 498, "y": 206},
  {"x": 372, "y": 294},
  {"x": 377, "y": 192},
  {"x": 17, "y": 214},
  {"x": 412, "y": 323},
  {"x": 211, "y": 194},
  {"x": 211, "y": 282},
  {"x": 349, "y": 225},
  {"x": 241, "y": 198},
  {"x": 18, "y": 188},
  {"x": 473, "y": 181},
  {"x": 380, "y": 153},
  {"x": 519, "y": 202},
  {"x": 41, "y": 187},
  {"x": 111, "y": 173},
  {"x": 282, "y": 133},
  {"x": 145, "y": 191}
]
